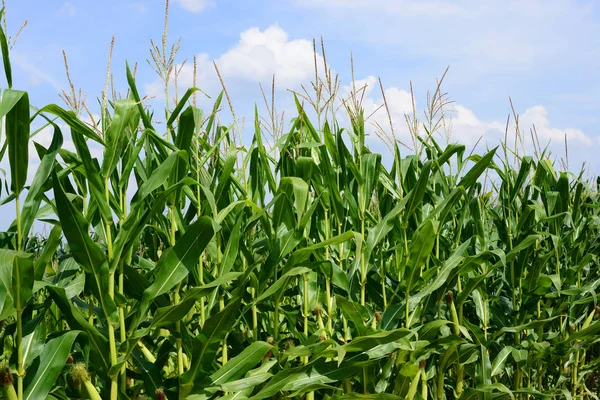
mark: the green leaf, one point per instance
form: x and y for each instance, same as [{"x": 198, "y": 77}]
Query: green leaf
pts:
[
  {"x": 52, "y": 361},
  {"x": 96, "y": 185},
  {"x": 240, "y": 364},
  {"x": 519, "y": 328},
  {"x": 22, "y": 281},
  {"x": 5, "y": 50},
  {"x": 243, "y": 384},
  {"x": 180, "y": 104},
  {"x": 441, "y": 277},
  {"x": 370, "y": 343},
  {"x": 49, "y": 250},
  {"x": 419, "y": 251},
  {"x": 99, "y": 345},
  {"x": 303, "y": 378},
  {"x": 168, "y": 315},
  {"x": 150, "y": 373},
  {"x": 134, "y": 93},
  {"x": 35, "y": 193},
  {"x": 34, "y": 336},
  {"x": 282, "y": 282},
  {"x": 415, "y": 197},
  {"x": 176, "y": 263},
  {"x": 85, "y": 251},
  {"x": 356, "y": 396},
  {"x": 9, "y": 260},
  {"x": 206, "y": 345},
  {"x": 158, "y": 178},
  {"x": 387, "y": 223},
  {"x": 479, "y": 168},
  {"x": 500, "y": 360},
  {"x": 126, "y": 115},
  {"x": 303, "y": 254},
  {"x": 354, "y": 312},
  {"x": 17, "y": 137},
  {"x": 74, "y": 122}
]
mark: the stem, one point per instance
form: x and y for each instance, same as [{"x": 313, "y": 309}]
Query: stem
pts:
[
  {"x": 276, "y": 321},
  {"x": 382, "y": 268},
  {"x": 222, "y": 298},
  {"x": 254, "y": 316},
  {"x": 122, "y": 330},
  {"x": 540, "y": 337},
  {"x": 306, "y": 311},
  {"x": 441, "y": 372},
  {"x": 328, "y": 282},
  {"x": 180, "y": 367},
  {"x": 90, "y": 310},
  {"x": 363, "y": 272},
  {"x": 574, "y": 376},
  {"x": 329, "y": 306},
  {"x": 19, "y": 344},
  {"x": 111, "y": 339},
  {"x": 20, "y": 369},
  {"x": 457, "y": 320},
  {"x": 309, "y": 395},
  {"x": 111, "y": 292},
  {"x": 347, "y": 337},
  {"x": 224, "y": 353},
  {"x": 201, "y": 258},
  {"x": 176, "y": 299},
  {"x": 363, "y": 282},
  {"x": 19, "y": 228},
  {"x": 406, "y": 313},
  {"x": 201, "y": 278}
]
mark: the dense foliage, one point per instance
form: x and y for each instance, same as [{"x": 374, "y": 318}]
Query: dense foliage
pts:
[{"x": 307, "y": 268}]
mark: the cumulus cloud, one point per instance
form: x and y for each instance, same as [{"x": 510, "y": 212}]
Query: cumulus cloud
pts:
[
  {"x": 255, "y": 58},
  {"x": 399, "y": 103},
  {"x": 464, "y": 124},
  {"x": 538, "y": 116},
  {"x": 259, "y": 55},
  {"x": 195, "y": 6}
]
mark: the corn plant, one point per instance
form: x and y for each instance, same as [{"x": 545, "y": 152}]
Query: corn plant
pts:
[{"x": 191, "y": 261}]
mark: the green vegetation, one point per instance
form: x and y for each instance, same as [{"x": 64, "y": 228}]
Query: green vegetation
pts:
[{"x": 308, "y": 269}]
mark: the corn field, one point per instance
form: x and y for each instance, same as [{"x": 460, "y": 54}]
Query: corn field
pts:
[{"x": 192, "y": 262}]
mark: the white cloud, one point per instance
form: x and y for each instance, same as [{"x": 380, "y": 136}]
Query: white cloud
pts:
[
  {"x": 399, "y": 103},
  {"x": 67, "y": 9},
  {"x": 466, "y": 126},
  {"x": 195, "y": 6},
  {"x": 538, "y": 116},
  {"x": 255, "y": 58},
  {"x": 259, "y": 55}
]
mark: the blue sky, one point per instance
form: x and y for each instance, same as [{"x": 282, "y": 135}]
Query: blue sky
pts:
[{"x": 543, "y": 54}]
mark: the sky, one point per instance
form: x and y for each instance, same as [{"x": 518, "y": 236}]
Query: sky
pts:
[{"x": 543, "y": 54}]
